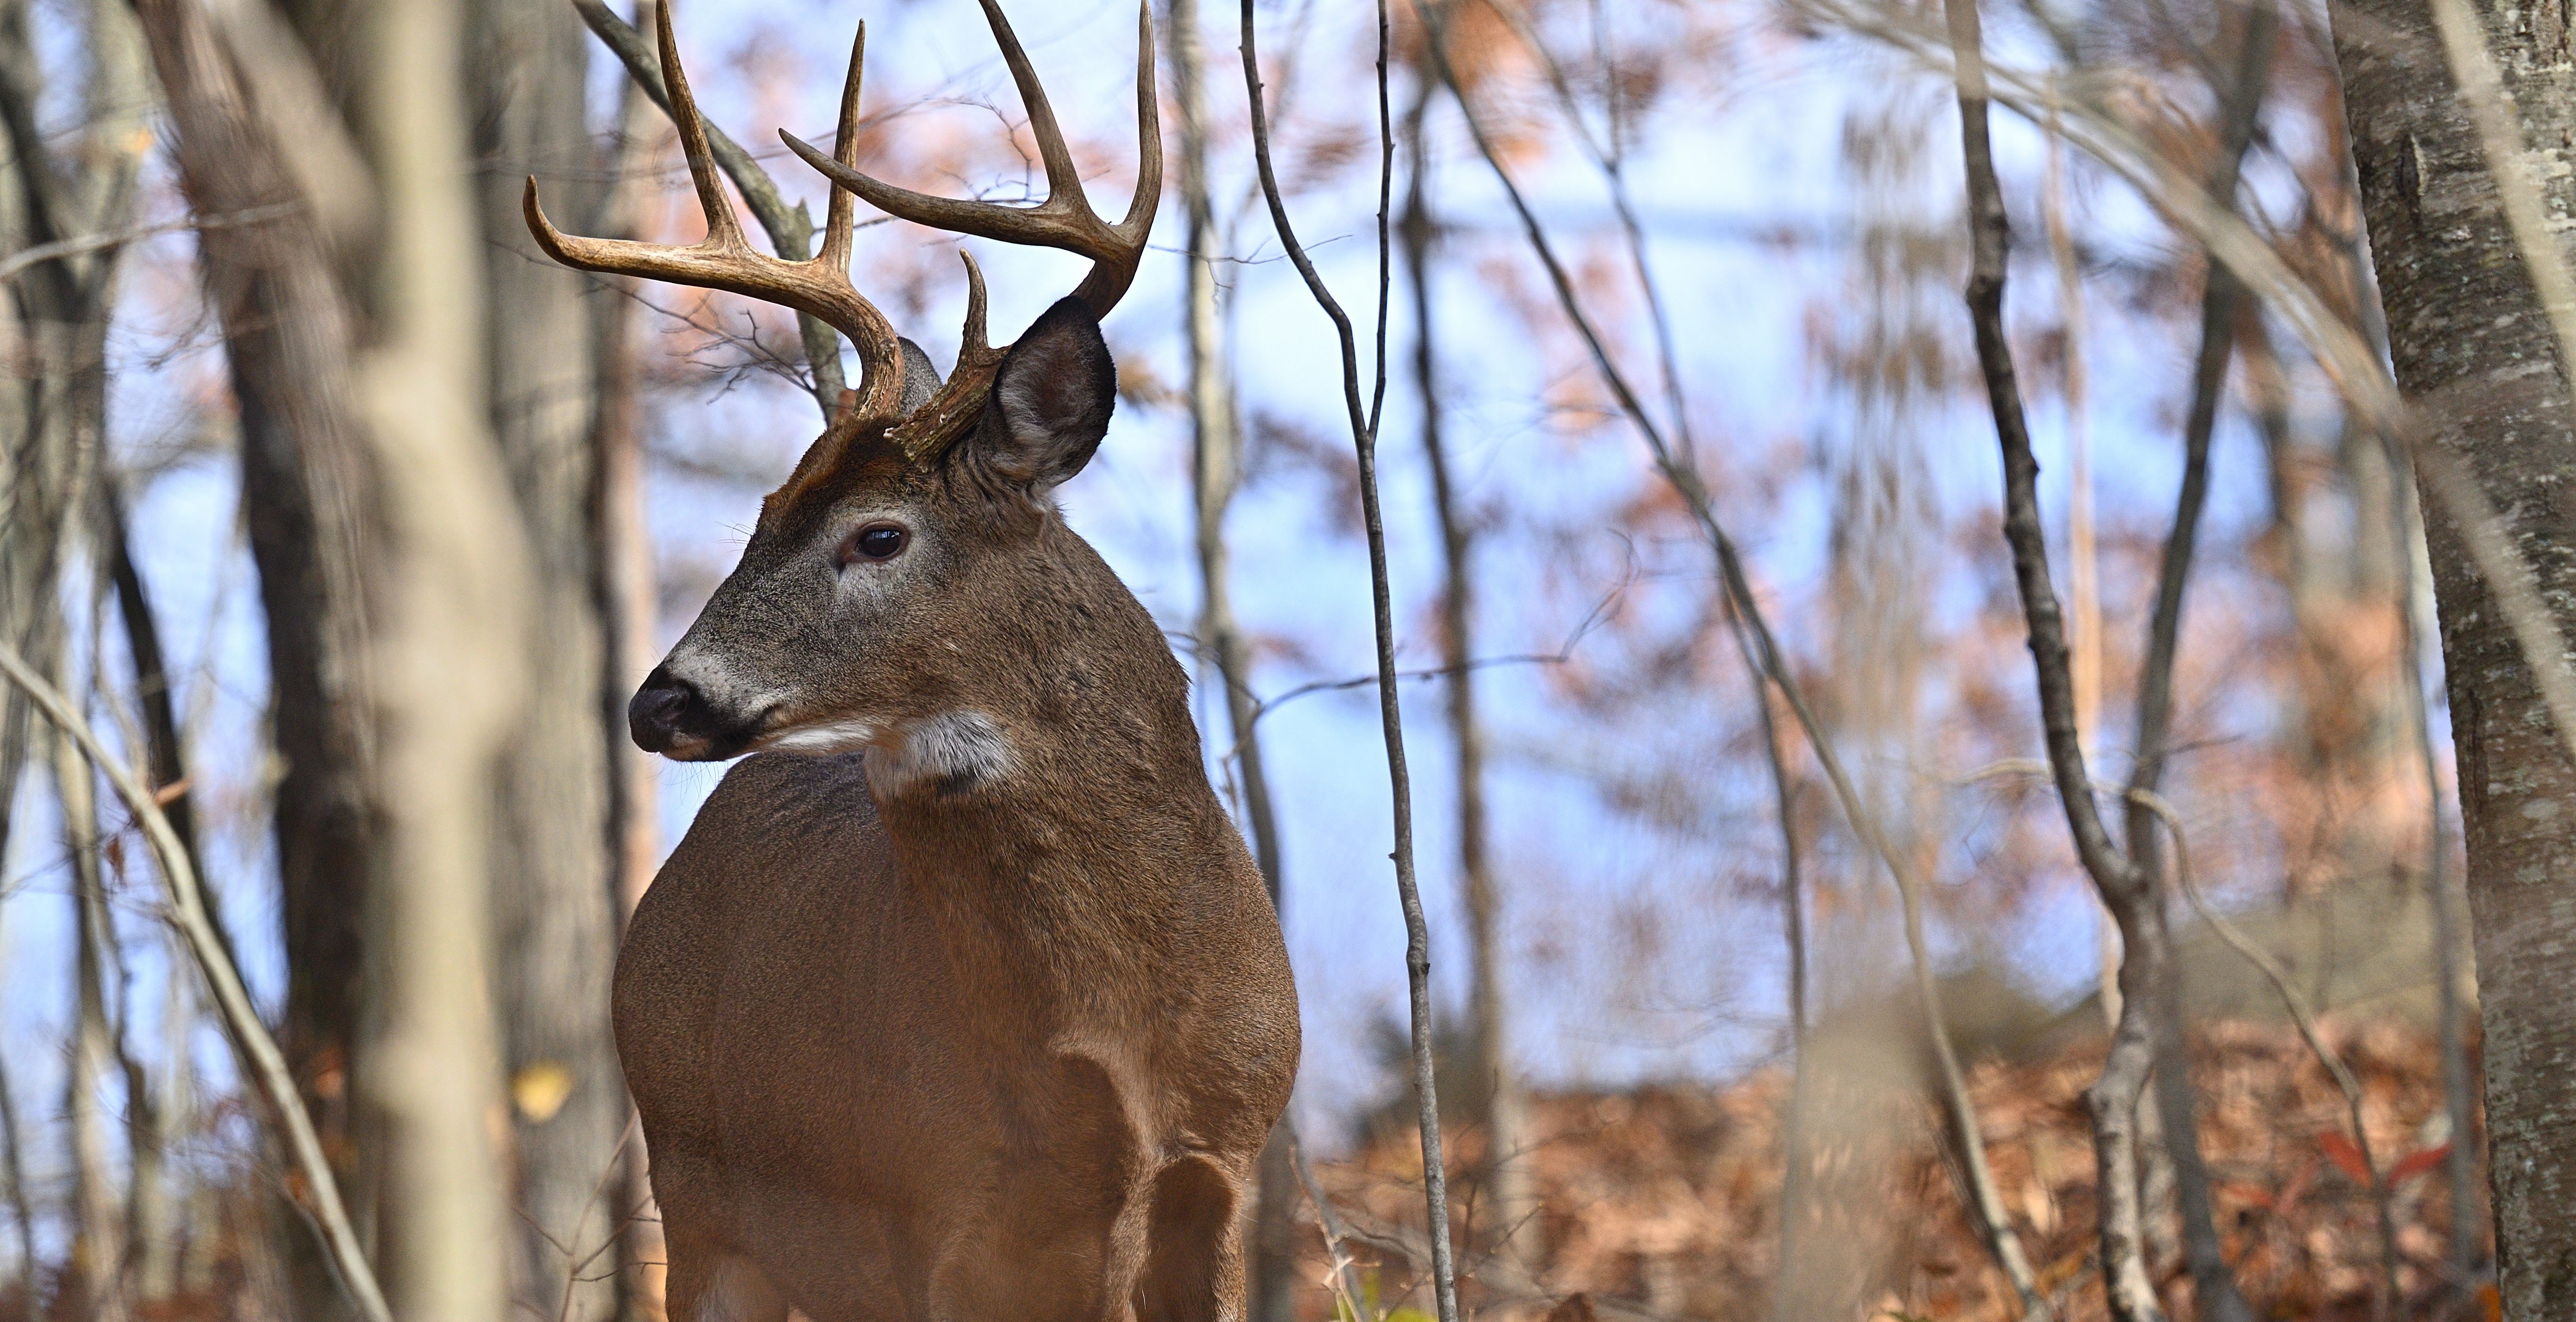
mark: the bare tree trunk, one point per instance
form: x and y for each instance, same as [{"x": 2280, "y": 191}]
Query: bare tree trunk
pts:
[
  {"x": 52, "y": 342},
  {"x": 2129, "y": 894},
  {"x": 1216, "y": 451},
  {"x": 154, "y": 1234},
  {"x": 554, "y": 894},
  {"x": 1795, "y": 1162},
  {"x": 2474, "y": 349},
  {"x": 309, "y": 499},
  {"x": 623, "y": 588},
  {"x": 453, "y": 686},
  {"x": 1507, "y": 1200}
]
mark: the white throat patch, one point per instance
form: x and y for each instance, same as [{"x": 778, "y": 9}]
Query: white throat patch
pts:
[{"x": 950, "y": 751}]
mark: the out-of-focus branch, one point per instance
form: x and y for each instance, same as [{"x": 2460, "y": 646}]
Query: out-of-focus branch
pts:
[
  {"x": 2240, "y": 103},
  {"x": 2240, "y": 100},
  {"x": 2114, "y": 1098},
  {"x": 790, "y": 227},
  {"x": 1984, "y": 1200},
  {"x": 22, "y": 1210},
  {"x": 1363, "y": 423},
  {"x": 1793, "y": 931},
  {"x": 18, "y": 262},
  {"x": 260, "y": 1055},
  {"x": 2302, "y": 1014},
  {"x": 2184, "y": 201},
  {"x": 1612, "y": 162}
]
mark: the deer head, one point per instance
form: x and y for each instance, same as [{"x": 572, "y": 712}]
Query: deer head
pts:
[{"x": 916, "y": 539}]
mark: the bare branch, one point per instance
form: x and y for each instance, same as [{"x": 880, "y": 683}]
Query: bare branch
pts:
[
  {"x": 265, "y": 1063},
  {"x": 2114, "y": 1098},
  {"x": 18, "y": 262},
  {"x": 790, "y": 228},
  {"x": 1363, "y": 422},
  {"x": 1984, "y": 1200}
]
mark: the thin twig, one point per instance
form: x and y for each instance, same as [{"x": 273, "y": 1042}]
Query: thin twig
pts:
[
  {"x": 266, "y": 1064},
  {"x": 1982, "y": 1197},
  {"x": 1417, "y": 955},
  {"x": 1346, "y": 1273},
  {"x": 2115, "y": 1096}
]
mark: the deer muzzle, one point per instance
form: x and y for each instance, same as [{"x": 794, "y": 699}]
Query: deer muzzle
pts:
[{"x": 672, "y": 716}]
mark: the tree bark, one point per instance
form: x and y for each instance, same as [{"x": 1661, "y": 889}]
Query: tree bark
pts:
[
  {"x": 553, "y": 890},
  {"x": 2474, "y": 351},
  {"x": 309, "y": 500}
]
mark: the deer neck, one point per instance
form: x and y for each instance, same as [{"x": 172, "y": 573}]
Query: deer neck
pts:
[{"x": 1067, "y": 805}]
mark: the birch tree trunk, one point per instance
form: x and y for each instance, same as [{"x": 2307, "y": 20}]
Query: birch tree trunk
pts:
[{"x": 2474, "y": 352}]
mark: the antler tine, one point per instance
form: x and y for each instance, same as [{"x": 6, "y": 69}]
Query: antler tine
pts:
[
  {"x": 726, "y": 260},
  {"x": 1149, "y": 140},
  {"x": 723, "y": 226},
  {"x": 1064, "y": 179},
  {"x": 838, "y": 216},
  {"x": 1065, "y": 219},
  {"x": 971, "y": 343}
]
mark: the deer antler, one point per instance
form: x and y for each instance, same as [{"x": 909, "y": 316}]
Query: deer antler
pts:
[
  {"x": 727, "y": 261},
  {"x": 1065, "y": 220}
]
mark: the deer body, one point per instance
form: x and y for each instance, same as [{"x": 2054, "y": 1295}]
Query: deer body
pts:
[
  {"x": 987, "y": 1050},
  {"x": 962, "y": 998}
]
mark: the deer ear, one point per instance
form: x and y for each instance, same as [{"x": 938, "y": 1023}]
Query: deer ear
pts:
[
  {"x": 1051, "y": 400},
  {"x": 920, "y": 377}
]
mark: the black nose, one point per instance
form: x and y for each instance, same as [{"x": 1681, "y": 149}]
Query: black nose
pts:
[{"x": 661, "y": 709}]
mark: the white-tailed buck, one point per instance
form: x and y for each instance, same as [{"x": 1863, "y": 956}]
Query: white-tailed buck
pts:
[{"x": 961, "y": 999}]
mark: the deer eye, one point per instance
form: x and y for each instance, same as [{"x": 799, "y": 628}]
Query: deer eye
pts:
[{"x": 876, "y": 541}]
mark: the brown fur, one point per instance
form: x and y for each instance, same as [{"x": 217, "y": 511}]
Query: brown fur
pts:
[{"x": 992, "y": 1044}]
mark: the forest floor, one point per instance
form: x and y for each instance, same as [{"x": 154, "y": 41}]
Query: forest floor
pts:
[{"x": 1664, "y": 1201}]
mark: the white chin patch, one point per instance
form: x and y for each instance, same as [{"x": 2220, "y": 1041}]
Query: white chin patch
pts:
[
  {"x": 953, "y": 751},
  {"x": 848, "y": 736}
]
